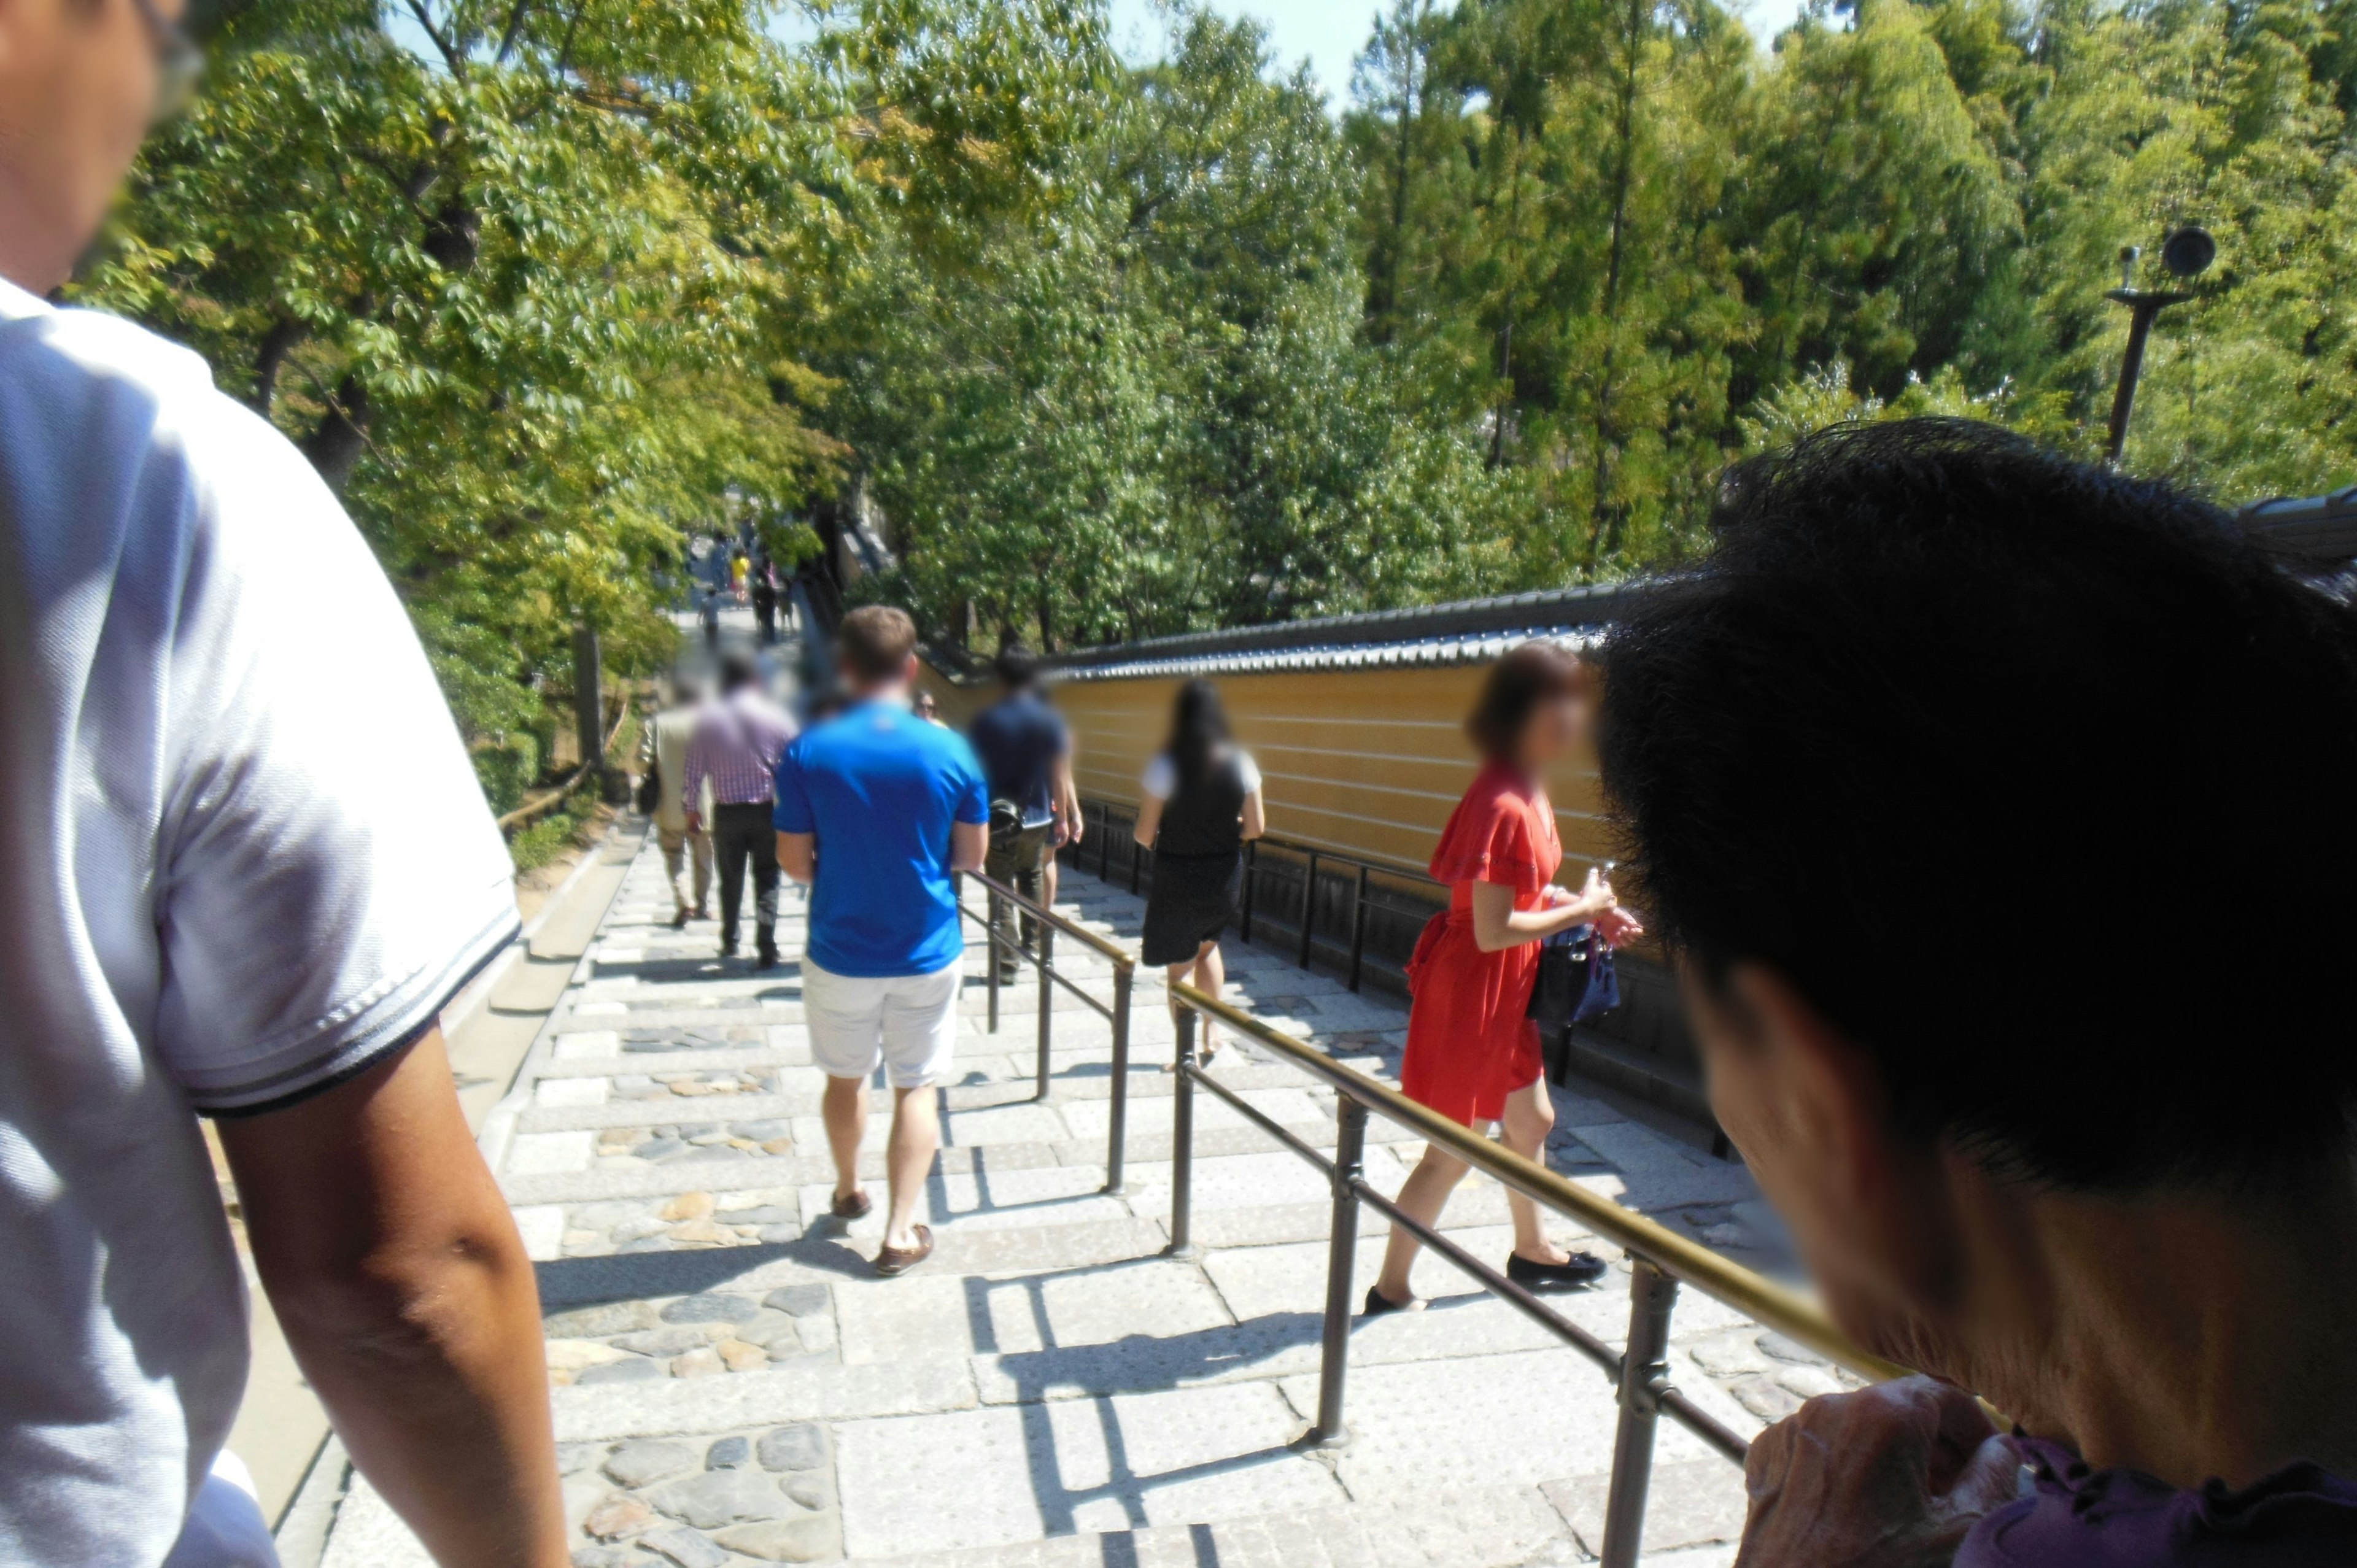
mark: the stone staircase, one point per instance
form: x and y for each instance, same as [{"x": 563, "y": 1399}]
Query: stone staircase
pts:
[{"x": 735, "y": 1385}]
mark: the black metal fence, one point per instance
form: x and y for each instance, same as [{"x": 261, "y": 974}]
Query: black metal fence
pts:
[{"x": 1357, "y": 917}]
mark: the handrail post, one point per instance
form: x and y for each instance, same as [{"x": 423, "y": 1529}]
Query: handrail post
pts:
[
  {"x": 1341, "y": 1270},
  {"x": 1645, "y": 1378},
  {"x": 1308, "y": 906},
  {"x": 1047, "y": 999},
  {"x": 1182, "y": 1143},
  {"x": 1117, "y": 1128},
  {"x": 992, "y": 949},
  {"x": 1359, "y": 929}
]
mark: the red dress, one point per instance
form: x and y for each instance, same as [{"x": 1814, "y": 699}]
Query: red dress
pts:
[{"x": 1469, "y": 1043}]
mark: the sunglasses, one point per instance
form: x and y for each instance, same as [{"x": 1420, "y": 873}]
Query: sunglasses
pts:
[{"x": 180, "y": 61}]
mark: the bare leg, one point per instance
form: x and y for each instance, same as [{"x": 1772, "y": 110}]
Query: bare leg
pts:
[
  {"x": 1424, "y": 1195},
  {"x": 844, "y": 1108},
  {"x": 1178, "y": 975},
  {"x": 1048, "y": 869},
  {"x": 915, "y": 1137},
  {"x": 1210, "y": 978},
  {"x": 1529, "y": 1116}
]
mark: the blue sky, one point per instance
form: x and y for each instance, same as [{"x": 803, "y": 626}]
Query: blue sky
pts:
[{"x": 1329, "y": 33}]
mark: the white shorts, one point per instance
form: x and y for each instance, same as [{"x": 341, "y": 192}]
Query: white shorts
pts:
[{"x": 907, "y": 1021}]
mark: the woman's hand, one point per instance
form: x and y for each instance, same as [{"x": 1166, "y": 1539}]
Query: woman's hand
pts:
[
  {"x": 1617, "y": 927},
  {"x": 1891, "y": 1476},
  {"x": 1596, "y": 897}
]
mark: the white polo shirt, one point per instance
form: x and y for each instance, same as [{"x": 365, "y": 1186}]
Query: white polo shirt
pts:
[{"x": 243, "y": 856}]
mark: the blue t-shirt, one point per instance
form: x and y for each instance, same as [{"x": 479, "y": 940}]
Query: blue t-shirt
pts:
[
  {"x": 1021, "y": 740},
  {"x": 880, "y": 787}
]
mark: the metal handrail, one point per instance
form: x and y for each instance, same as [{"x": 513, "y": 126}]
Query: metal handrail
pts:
[
  {"x": 1116, "y": 1013},
  {"x": 1660, "y": 1260},
  {"x": 1762, "y": 1300},
  {"x": 1105, "y": 949}
]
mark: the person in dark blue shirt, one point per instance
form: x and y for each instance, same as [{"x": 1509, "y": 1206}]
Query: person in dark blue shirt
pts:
[
  {"x": 1027, "y": 753},
  {"x": 878, "y": 811}
]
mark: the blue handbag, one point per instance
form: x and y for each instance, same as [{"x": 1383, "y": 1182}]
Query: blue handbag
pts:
[{"x": 1577, "y": 981}]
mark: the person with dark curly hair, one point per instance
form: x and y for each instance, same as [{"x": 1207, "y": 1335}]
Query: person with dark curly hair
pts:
[{"x": 1955, "y": 776}]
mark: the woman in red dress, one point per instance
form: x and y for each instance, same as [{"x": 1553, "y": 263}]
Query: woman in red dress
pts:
[{"x": 1472, "y": 1053}]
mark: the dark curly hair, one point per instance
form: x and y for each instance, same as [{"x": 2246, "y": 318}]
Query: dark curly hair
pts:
[{"x": 1994, "y": 754}]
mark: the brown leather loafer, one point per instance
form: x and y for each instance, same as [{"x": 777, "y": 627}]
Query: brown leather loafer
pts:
[
  {"x": 891, "y": 1260},
  {"x": 858, "y": 1206}
]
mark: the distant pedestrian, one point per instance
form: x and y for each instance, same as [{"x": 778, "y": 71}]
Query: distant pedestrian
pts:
[
  {"x": 880, "y": 811},
  {"x": 1202, "y": 802},
  {"x": 1027, "y": 753},
  {"x": 764, "y": 603},
  {"x": 710, "y": 612},
  {"x": 924, "y": 707},
  {"x": 741, "y": 572},
  {"x": 1473, "y": 1053},
  {"x": 735, "y": 750},
  {"x": 665, "y": 753}
]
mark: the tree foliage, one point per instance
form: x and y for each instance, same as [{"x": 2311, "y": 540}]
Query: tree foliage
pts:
[{"x": 1116, "y": 351}]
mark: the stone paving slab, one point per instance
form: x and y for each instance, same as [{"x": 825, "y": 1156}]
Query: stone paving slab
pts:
[
  {"x": 1020, "y": 1472},
  {"x": 721, "y": 1403},
  {"x": 1148, "y": 1300}
]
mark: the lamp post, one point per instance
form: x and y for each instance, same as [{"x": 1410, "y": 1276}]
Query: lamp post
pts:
[{"x": 2187, "y": 253}]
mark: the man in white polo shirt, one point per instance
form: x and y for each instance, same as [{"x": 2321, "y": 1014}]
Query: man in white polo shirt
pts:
[{"x": 243, "y": 863}]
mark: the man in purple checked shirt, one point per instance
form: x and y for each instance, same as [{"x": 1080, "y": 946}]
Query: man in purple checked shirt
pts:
[
  {"x": 1957, "y": 775},
  {"x": 739, "y": 740}
]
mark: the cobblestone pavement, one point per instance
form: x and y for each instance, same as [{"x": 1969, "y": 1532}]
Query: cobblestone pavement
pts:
[{"x": 735, "y": 1385}]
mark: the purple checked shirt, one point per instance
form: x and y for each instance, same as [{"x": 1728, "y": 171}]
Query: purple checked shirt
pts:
[{"x": 737, "y": 745}]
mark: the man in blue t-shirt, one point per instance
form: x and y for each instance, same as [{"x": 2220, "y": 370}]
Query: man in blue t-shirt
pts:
[
  {"x": 1026, "y": 753},
  {"x": 879, "y": 811}
]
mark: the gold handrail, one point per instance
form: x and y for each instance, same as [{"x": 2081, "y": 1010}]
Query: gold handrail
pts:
[
  {"x": 1762, "y": 1300},
  {"x": 1103, "y": 948}
]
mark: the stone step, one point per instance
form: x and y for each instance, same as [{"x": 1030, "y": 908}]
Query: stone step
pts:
[{"x": 1491, "y": 1526}]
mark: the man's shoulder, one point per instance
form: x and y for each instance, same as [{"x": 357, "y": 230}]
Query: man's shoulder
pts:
[
  {"x": 86, "y": 360},
  {"x": 109, "y": 409},
  {"x": 942, "y": 745}
]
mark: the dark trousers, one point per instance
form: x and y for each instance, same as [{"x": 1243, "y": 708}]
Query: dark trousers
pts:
[
  {"x": 738, "y": 832},
  {"x": 711, "y": 635},
  {"x": 1015, "y": 859}
]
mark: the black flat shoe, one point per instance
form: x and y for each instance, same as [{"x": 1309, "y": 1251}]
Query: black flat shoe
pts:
[
  {"x": 1379, "y": 1304},
  {"x": 1577, "y": 1273}
]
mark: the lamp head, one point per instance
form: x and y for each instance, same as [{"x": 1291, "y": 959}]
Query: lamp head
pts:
[{"x": 2189, "y": 252}]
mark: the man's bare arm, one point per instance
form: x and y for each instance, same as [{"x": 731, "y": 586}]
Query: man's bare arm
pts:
[
  {"x": 798, "y": 856},
  {"x": 396, "y": 1271},
  {"x": 969, "y": 846}
]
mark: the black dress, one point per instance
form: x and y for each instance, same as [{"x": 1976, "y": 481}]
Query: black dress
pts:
[{"x": 1199, "y": 865}]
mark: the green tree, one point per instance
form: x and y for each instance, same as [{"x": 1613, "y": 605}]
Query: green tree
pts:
[{"x": 521, "y": 301}]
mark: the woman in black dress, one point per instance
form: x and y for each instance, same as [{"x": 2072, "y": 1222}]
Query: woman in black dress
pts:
[{"x": 1201, "y": 801}]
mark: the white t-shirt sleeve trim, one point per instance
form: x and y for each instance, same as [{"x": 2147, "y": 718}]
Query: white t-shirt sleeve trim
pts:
[
  {"x": 356, "y": 1038},
  {"x": 1160, "y": 778},
  {"x": 1247, "y": 770}
]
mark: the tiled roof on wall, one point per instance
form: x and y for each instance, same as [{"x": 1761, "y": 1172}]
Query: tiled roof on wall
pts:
[{"x": 1469, "y": 632}]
